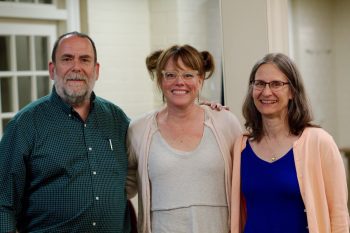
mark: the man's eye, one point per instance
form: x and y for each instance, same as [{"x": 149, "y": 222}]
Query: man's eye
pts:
[{"x": 66, "y": 59}]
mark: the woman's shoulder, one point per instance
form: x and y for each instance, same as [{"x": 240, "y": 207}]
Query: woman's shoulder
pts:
[
  {"x": 224, "y": 121},
  {"x": 222, "y": 115},
  {"x": 141, "y": 118},
  {"x": 138, "y": 125},
  {"x": 315, "y": 138},
  {"x": 316, "y": 133}
]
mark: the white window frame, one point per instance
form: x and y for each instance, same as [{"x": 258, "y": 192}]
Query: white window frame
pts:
[
  {"x": 31, "y": 30},
  {"x": 34, "y": 19}
]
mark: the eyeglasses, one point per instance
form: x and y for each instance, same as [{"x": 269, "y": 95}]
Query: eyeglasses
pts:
[
  {"x": 172, "y": 75},
  {"x": 275, "y": 85}
]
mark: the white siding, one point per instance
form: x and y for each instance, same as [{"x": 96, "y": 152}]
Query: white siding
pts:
[{"x": 121, "y": 31}]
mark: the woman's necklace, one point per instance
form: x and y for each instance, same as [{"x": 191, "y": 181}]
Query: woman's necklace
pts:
[
  {"x": 273, "y": 157},
  {"x": 281, "y": 146}
]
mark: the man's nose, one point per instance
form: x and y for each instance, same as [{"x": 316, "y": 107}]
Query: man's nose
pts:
[{"x": 76, "y": 65}]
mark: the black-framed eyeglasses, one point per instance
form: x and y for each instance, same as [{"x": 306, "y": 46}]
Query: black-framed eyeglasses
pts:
[{"x": 274, "y": 85}]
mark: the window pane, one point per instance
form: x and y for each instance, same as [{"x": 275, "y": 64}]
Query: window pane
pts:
[
  {"x": 43, "y": 84},
  {"x": 41, "y": 53},
  {"x": 6, "y": 94},
  {"x": 45, "y": 1},
  {"x": 4, "y": 53},
  {"x": 24, "y": 91},
  {"x": 22, "y": 52}
]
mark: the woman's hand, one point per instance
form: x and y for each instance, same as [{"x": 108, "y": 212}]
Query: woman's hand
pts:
[{"x": 214, "y": 106}]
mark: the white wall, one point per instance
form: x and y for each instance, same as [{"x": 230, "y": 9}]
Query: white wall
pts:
[
  {"x": 195, "y": 22},
  {"x": 321, "y": 50},
  {"x": 314, "y": 54},
  {"x": 126, "y": 32},
  {"x": 341, "y": 44},
  {"x": 121, "y": 30},
  {"x": 245, "y": 40}
]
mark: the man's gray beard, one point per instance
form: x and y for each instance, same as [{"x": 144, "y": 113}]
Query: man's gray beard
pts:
[{"x": 75, "y": 100}]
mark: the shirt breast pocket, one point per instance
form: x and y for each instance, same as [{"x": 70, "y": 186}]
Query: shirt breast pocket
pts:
[{"x": 115, "y": 158}]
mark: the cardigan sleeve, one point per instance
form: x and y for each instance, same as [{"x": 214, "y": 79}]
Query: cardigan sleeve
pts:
[
  {"x": 131, "y": 180},
  {"x": 334, "y": 176}
]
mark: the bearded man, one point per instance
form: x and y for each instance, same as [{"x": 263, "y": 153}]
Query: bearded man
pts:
[{"x": 63, "y": 161}]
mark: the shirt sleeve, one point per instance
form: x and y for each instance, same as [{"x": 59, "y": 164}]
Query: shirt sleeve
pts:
[{"x": 14, "y": 147}]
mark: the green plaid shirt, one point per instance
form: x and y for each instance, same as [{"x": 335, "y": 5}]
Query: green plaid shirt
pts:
[{"x": 60, "y": 174}]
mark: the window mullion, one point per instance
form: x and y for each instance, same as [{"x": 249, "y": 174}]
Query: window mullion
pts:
[
  {"x": 14, "y": 86},
  {"x": 33, "y": 85}
]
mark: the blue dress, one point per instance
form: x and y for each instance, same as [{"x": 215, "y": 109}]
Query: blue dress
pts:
[{"x": 272, "y": 195}]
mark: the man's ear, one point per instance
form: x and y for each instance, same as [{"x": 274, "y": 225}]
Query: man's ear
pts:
[
  {"x": 97, "y": 70},
  {"x": 52, "y": 70}
]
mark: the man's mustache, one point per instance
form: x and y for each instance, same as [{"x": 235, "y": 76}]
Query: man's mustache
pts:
[{"x": 76, "y": 77}]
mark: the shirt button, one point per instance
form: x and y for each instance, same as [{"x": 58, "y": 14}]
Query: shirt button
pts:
[
  {"x": 85, "y": 125},
  {"x": 90, "y": 149},
  {"x": 70, "y": 115},
  {"x": 94, "y": 223},
  {"x": 97, "y": 198},
  {"x": 94, "y": 173}
]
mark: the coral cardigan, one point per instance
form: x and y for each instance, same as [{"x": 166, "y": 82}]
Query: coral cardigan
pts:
[
  {"x": 322, "y": 181},
  {"x": 226, "y": 129}
]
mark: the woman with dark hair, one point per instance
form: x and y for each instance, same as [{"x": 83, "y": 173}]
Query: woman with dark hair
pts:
[
  {"x": 180, "y": 156},
  {"x": 288, "y": 175}
]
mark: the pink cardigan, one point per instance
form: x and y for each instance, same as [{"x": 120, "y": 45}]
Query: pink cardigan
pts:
[{"x": 322, "y": 180}]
